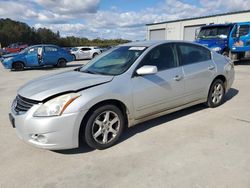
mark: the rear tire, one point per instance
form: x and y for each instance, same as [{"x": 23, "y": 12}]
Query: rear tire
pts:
[
  {"x": 94, "y": 55},
  {"x": 216, "y": 94},
  {"x": 61, "y": 63},
  {"x": 18, "y": 66},
  {"x": 104, "y": 127},
  {"x": 74, "y": 57}
]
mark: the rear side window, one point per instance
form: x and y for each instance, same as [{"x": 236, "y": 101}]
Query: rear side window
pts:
[
  {"x": 161, "y": 56},
  {"x": 85, "y": 49},
  {"x": 50, "y": 49},
  {"x": 189, "y": 53}
]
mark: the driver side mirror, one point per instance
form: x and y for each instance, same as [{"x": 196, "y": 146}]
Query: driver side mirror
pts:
[{"x": 146, "y": 70}]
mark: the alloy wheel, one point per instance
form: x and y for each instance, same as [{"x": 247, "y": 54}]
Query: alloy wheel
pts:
[
  {"x": 105, "y": 127},
  {"x": 217, "y": 93}
]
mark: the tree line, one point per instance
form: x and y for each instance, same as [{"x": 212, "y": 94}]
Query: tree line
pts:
[{"x": 14, "y": 31}]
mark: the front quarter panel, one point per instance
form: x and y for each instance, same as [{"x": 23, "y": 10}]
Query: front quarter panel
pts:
[{"x": 108, "y": 91}]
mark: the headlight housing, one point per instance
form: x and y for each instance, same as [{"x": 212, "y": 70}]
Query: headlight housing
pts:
[
  {"x": 216, "y": 49},
  {"x": 56, "y": 106},
  {"x": 8, "y": 58}
]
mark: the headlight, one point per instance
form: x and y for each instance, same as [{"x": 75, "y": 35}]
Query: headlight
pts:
[
  {"x": 8, "y": 58},
  {"x": 216, "y": 49},
  {"x": 56, "y": 106}
]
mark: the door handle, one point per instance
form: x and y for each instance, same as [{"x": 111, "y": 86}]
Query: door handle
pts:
[
  {"x": 177, "y": 78},
  {"x": 211, "y": 67}
]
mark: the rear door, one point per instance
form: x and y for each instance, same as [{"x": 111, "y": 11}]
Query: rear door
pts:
[
  {"x": 161, "y": 91},
  {"x": 50, "y": 55},
  {"x": 198, "y": 70}
]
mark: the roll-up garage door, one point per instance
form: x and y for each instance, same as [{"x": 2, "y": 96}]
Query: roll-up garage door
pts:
[
  {"x": 158, "y": 34},
  {"x": 189, "y": 32}
]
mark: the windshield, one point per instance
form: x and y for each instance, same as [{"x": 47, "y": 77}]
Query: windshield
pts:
[
  {"x": 213, "y": 32},
  {"x": 114, "y": 62}
]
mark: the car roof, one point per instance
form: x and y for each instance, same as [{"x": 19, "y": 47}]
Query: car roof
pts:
[
  {"x": 218, "y": 25},
  {"x": 84, "y": 47},
  {"x": 43, "y": 45},
  {"x": 156, "y": 42}
]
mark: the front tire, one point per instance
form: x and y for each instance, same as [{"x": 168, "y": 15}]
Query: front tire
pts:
[
  {"x": 18, "y": 66},
  {"x": 216, "y": 94},
  {"x": 104, "y": 127}
]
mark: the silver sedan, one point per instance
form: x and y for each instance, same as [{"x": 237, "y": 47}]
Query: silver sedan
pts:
[{"x": 127, "y": 85}]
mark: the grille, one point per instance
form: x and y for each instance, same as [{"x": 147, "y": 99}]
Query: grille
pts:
[{"x": 22, "y": 104}]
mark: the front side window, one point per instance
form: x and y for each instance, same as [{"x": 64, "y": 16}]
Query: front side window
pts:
[
  {"x": 161, "y": 56},
  {"x": 189, "y": 53},
  {"x": 243, "y": 30},
  {"x": 115, "y": 62},
  {"x": 33, "y": 50}
]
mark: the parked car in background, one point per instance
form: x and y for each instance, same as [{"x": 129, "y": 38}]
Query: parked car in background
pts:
[
  {"x": 127, "y": 85},
  {"x": 37, "y": 56},
  {"x": 15, "y": 48},
  {"x": 2, "y": 52},
  {"x": 85, "y": 52}
]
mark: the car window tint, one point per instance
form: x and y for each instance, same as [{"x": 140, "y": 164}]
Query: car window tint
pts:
[
  {"x": 85, "y": 49},
  {"x": 161, "y": 56},
  {"x": 50, "y": 49},
  {"x": 244, "y": 30},
  {"x": 32, "y": 50},
  {"x": 189, "y": 53}
]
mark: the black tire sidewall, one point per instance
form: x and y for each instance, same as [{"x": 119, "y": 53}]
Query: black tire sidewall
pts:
[
  {"x": 94, "y": 55},
  {"x": 74, "y": 57},
  {"x": 88, "y": 128},
  {"x": 18, "y": 68},
  {"x": 61, "y": 63},
  {"x": 209, "y": 100}
]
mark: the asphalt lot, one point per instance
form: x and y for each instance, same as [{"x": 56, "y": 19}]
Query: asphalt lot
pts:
[{"x": 197, "y": 147}]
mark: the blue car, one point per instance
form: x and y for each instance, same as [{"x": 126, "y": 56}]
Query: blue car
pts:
[{"x": 37, "y": 56}]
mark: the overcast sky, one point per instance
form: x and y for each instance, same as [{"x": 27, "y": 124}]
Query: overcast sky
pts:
[{"x": 110, "y": 18}]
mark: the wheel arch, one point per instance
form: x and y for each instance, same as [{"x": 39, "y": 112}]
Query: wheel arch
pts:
[
  {"x": 219, "y": 77},
  {"x": 114, "y": 102},
  {"x": 62, "y": 58},
  {"x": 18, "y": 61}
]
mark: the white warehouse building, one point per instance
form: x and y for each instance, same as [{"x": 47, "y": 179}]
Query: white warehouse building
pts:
[{"x": 185, "y": 29}]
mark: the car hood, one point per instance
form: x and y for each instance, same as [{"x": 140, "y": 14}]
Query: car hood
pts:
[
  {"x": 72, "y": 81},
  {"x": 10, "y": 55}
]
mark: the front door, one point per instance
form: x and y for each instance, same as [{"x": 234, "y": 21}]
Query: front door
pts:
[
  {"x": 161, "y": 91},
  {"x": 84, "y": 53},
  {"x": 32, "y": 57}
]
